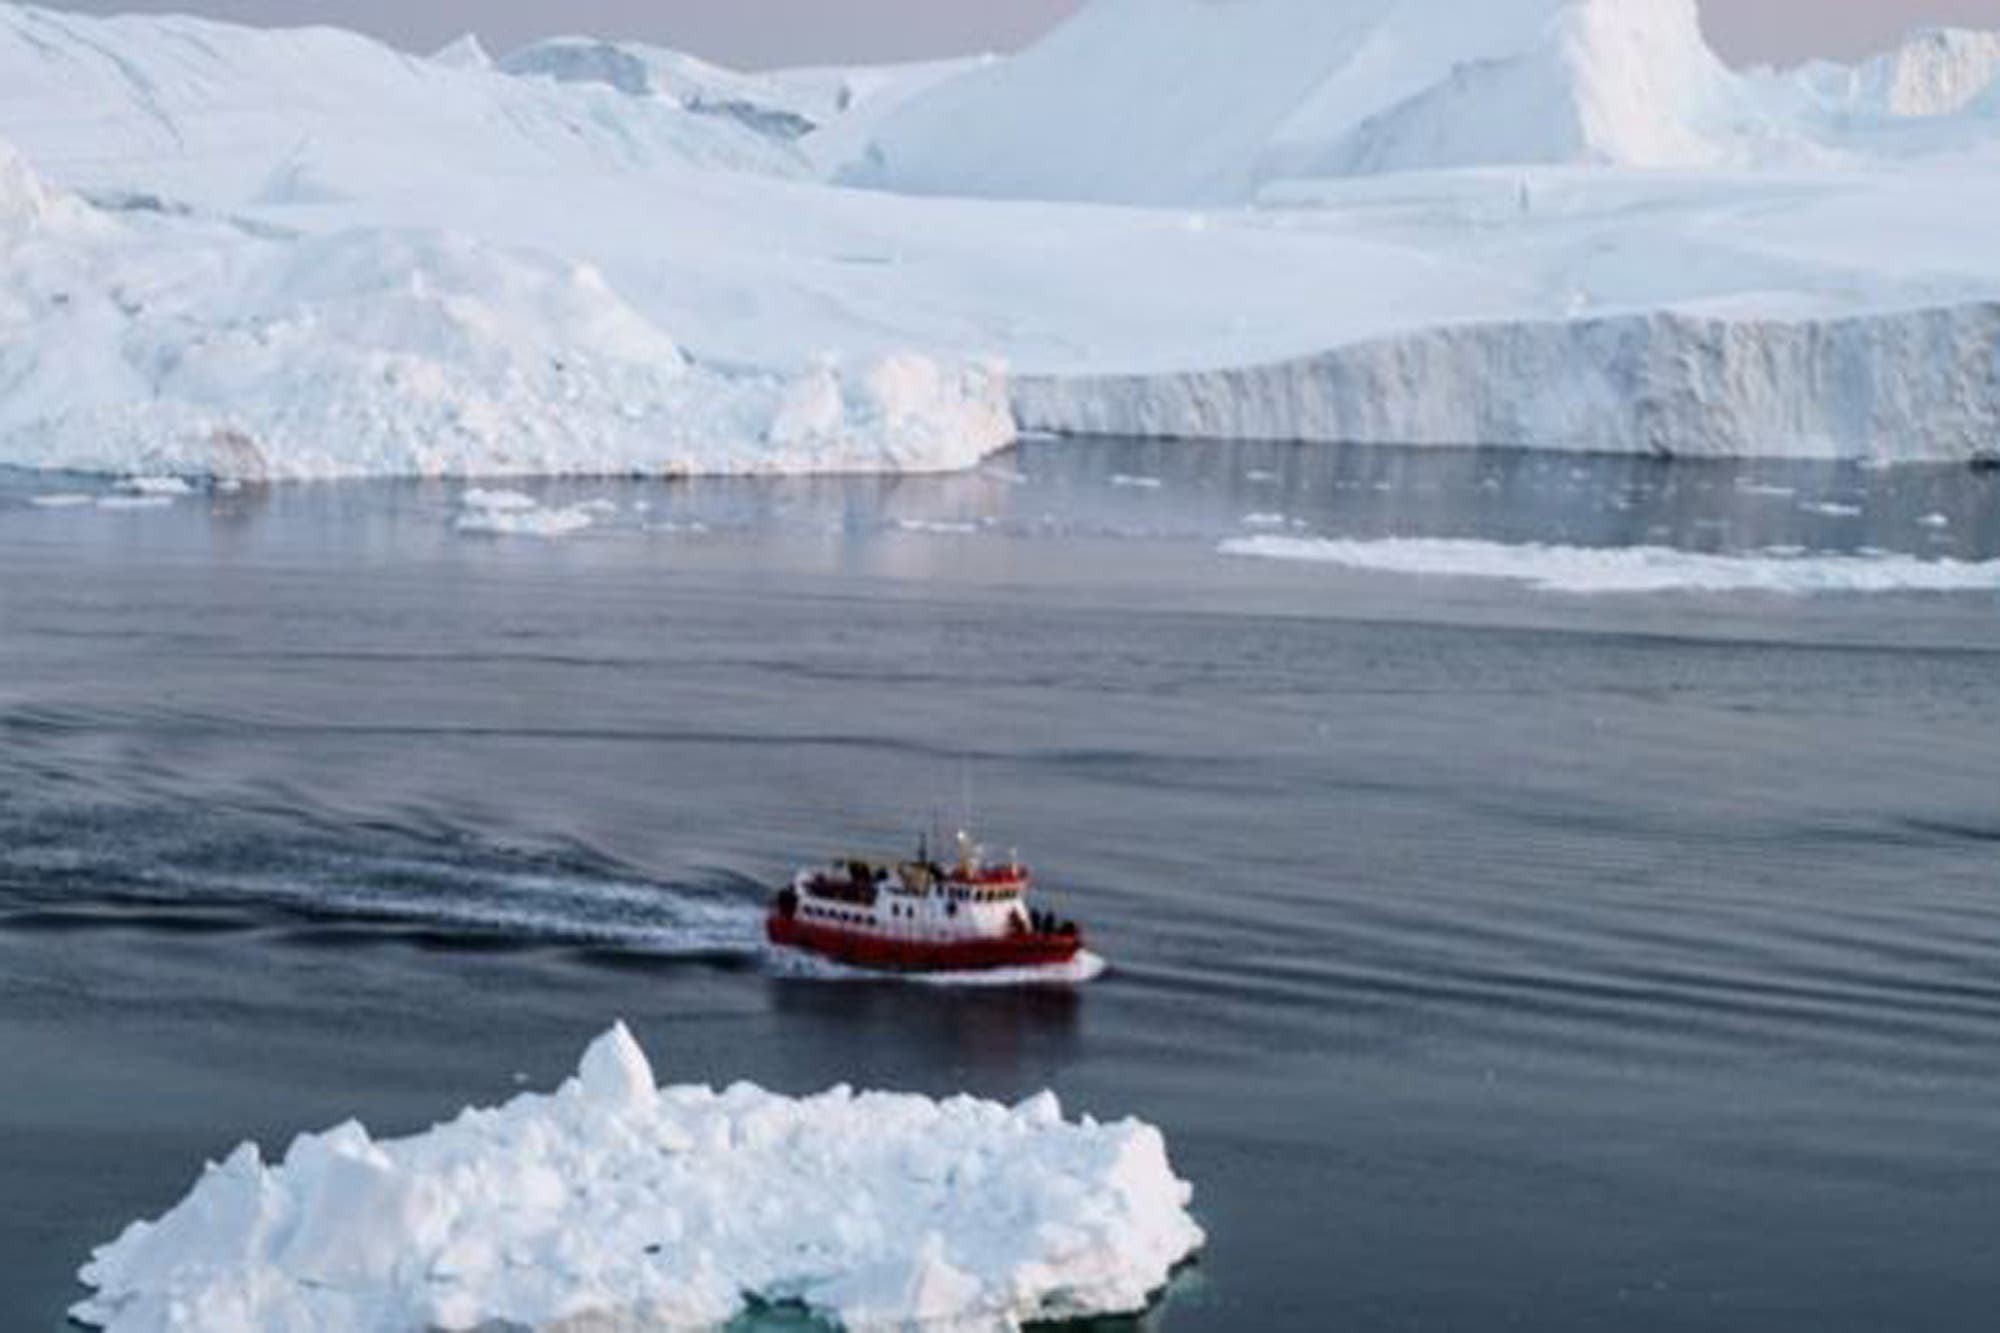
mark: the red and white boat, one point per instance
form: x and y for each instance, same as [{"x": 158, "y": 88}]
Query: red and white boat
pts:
[{"x": 921, "y": 916}]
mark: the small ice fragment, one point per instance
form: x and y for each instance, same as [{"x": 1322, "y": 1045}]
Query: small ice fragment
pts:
[
  {"x": 1935, "y": 522},
  {"x": 1265, "y": 520},
  {"x": 1136, "y": 483},
  {"x": 499, "y": 502},
  {"x": 524, "y": 523},
  {"x": 1830, "y": 509},
  {"x": 167, "y": 486},
  {"x": 134, "y": 501},
  {"x": 62, "y": 500},
  {"x": 937, "y": 527}
]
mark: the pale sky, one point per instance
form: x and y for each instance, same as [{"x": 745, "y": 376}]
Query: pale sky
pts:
[{"x": 773, "y": 32}]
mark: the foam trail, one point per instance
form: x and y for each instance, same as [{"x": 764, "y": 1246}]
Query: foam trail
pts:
[
  {"x": 1630, "y": 569},
  {"x": 1085, "y": 968}
]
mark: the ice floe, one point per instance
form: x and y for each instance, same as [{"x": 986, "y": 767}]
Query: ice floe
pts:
[
  {"x": 612, "y": 1204},
  {"x": 1631, "y": 569},
  {"x": 512, "y": 514}
]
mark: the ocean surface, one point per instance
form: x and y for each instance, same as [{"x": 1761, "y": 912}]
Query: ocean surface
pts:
[{"x": 1493, "y": 955}]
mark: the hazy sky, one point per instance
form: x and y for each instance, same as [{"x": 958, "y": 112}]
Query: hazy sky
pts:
[{"x": 766, "y": 32}]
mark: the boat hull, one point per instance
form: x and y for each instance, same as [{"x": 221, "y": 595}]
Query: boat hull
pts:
[{"x": 880, "y": 953}]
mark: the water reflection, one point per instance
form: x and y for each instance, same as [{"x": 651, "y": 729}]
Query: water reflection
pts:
[
  {"x": 989, "y": 1036},
  {"x": 904, "y": 527}
]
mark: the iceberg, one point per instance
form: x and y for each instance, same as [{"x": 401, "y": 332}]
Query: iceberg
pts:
[
  {"x": 1935, "y": 72},
  {"x": 1921, "y": 385},
  {"x": 190, "y": 347},
  {"x": 615, "y": 1204},
  {"x": 1529, "y": 222},
  {"x": 1194, "y": 102}
]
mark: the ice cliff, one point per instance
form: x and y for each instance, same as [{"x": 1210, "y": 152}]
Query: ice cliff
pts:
[{"x": 1922, "y": 385}]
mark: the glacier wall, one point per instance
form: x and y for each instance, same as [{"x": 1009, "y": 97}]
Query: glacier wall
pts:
[{"x": 1904, "y": 386}]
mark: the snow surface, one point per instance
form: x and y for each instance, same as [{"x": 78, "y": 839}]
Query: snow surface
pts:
[
  {"x": 1640, "y": 569},
  {"x": 1531, "y": 221},
  {"x": 613, "y": 1204}
]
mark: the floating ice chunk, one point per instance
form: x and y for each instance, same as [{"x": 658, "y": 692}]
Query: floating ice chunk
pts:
[
  {"x": 1632, "y": 569},
  {"x": 615, "y": 1205},
  {"x": 1935, "y": 522},
  {"x": 62, "y": 500},
  {"x": 1765, "y": 488},
  {"x": 1831, "y": 509},
  {"x": 499, "y": 502},
  {"x": 169, "y": 486},
  {"x": 938, "y": 527},
  {"x": 1265, "y": 520},
  {"x": 134, "y": 501},
  {"x": 525, "y": 523},
  {"x": 1136, "y": 483},
  {"x": 512, "y": 514}
]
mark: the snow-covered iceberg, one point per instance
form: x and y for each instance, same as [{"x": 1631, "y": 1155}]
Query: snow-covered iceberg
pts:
[
  {"x": 1523, "y": 222},
  {"x": 1934, "y": 72},
  {"x": 612, "y": 1204},
  {"x": 177, "y": 345},
  {"x": 217, "y": 107},
  {"x": 1190, "y": 101}
]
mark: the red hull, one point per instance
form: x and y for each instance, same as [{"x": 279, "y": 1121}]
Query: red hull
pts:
[{"x": 860, "y": 949}]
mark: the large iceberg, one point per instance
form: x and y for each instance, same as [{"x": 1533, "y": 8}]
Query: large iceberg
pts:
[
  {"x": 1191, "y": 101},
  {"x": 1935, "y": 72},
  {"x": 178, "y": 346},
  {"x": 612, "y": 1205},
  {"x": 1385, "y": 221},
  {"x": 1919, "y": 385}
]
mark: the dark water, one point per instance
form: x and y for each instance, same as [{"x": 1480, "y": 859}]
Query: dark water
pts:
[{"x": 1492, "y": 958}]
